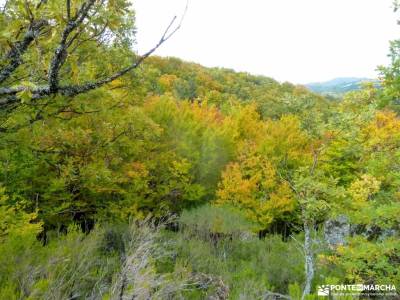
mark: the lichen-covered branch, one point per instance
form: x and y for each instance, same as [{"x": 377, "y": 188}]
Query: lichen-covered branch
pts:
[
  {"x": 10, "y": 95},
  {"x": 14, "y": 56},
  {"x": 60, "y": 54}
]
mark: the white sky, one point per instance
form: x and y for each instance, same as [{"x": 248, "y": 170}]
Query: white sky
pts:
[{"x": 290, "y": 40}]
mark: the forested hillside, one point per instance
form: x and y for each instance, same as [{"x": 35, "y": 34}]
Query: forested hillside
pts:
[
  {"x": 140, "y": 177},
  {"x": 339, "y": 86}
]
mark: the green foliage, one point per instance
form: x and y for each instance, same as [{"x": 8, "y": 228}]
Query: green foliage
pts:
[
  {"x": 229, "y": 153},
  {"x": 372, "y": 262},
  {"x": 14, "y": 220},
  {"x": 295, "y": 291},
  {"x": 85, "y": 266},
  {"x": 54, "y": 270},
  {"x": 391, "y": 78},
  {"x": 249, "y": 266},
  {"x": 210, "y": 220}
]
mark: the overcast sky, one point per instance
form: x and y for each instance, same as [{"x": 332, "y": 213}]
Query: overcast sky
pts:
[{"x": 290, "y": 40}]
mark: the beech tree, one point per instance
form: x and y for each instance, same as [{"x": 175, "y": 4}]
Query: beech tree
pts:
[{"x": 316, "y": 194}]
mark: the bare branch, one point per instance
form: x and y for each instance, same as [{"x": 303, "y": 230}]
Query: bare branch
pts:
[
  {"x": 69, "y": 10},
  {"x": 168, "y": 33},
  {"x": 79, "y": 89},
  {"x": 91, "y": 38},
  {"x": 40, "y": 3},
  {"x": 29, "y": 11}
]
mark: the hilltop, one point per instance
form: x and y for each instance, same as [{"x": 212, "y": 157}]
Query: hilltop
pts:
[{"x": 339, "y": 86}]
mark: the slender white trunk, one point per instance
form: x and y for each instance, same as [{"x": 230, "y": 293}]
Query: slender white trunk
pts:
[{"x": 309, "y": 258}]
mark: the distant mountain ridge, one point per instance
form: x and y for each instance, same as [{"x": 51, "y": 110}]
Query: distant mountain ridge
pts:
[{"x": 339, "y": 86}]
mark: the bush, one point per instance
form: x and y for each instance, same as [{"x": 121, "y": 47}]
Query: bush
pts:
[
  {"x": 215, "y": 223},
  {"x": 89, "y": 266},
  {"x": 248, "y": 266}
]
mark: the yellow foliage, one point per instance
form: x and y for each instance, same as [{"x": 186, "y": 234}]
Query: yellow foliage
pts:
[
  {"x": 13, "y": 220},
  {"x": 166, "y": 81},
  {"x": 383, "y": 132},
  {"x": 136, "y": 170},
  {"x": 362, "y": 189},
  {"x": 281, "y": 200},
  {"x": 285, "y": 141},
  {"x": 253, "y": 185},
  {"x": 249, "y": 127}
]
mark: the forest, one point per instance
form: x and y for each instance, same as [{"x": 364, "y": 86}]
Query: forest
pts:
[{"x": 127, "y": 176}]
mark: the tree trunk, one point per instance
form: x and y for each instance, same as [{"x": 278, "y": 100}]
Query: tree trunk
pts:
[{"x": 309, "y": 258}]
